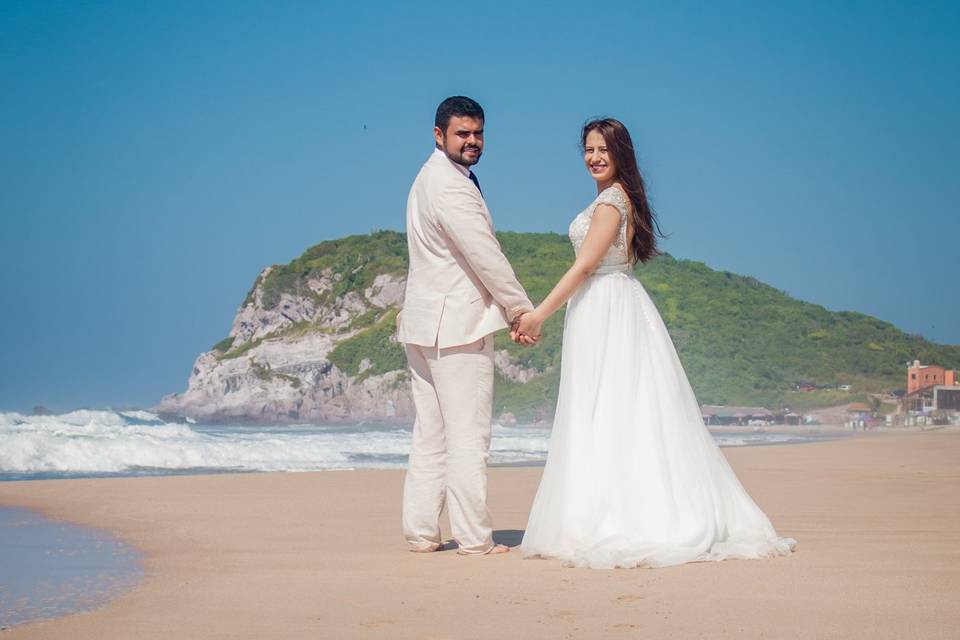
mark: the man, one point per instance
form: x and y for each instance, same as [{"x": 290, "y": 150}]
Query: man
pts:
[{"x": 460, "y": 289}]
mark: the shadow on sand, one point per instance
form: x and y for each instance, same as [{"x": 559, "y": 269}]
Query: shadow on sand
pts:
[{"x": 509, "y": 537}]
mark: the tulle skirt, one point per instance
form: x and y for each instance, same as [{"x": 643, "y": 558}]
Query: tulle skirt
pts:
[{"x": 633, "y": 477}]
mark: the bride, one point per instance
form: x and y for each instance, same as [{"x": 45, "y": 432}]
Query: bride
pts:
[{"x": 633, "y": 477}]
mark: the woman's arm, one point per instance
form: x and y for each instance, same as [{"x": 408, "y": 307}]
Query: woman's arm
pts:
[{"x": 602, "y": 232}]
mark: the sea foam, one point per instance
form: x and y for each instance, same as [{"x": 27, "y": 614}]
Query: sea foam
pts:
[{"x": 99, "y": 442}]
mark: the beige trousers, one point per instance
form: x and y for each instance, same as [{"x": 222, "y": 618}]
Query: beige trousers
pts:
[{"x": 453, "y": 397}]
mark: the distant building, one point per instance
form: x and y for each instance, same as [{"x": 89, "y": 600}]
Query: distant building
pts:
[
  {"x": 922, "y": 376},
  {"x": 946, "y": 398},
  {"x": 860, "y": 415},
  {"x": 860, "y": 410},
  {"x": 938, "y": 398},
  {"x": 719, "y": 414}
]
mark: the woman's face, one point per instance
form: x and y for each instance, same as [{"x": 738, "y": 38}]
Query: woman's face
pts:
[{"x": 597, "y": 158}]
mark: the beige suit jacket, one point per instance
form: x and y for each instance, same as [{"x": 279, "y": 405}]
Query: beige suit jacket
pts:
[{"x": 460, "y": 286}]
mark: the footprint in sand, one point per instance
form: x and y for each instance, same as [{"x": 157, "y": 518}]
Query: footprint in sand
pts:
[
  {"x": 629, "y": 598},
  {"x": 376, "y": 624},
  {"x": 624, "y": 625}
]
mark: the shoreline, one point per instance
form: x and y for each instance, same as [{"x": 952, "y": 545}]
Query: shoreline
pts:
[
  {"x": 53, "y": 568},
  {"x": 316, "y": 554}
]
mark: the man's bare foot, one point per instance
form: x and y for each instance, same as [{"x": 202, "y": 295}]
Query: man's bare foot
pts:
[
  {"x": 497, "y": 548},
  {"x": 429, "y": 549}
]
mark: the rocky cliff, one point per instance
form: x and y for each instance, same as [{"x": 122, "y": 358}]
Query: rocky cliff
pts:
[{"x": 313, "y": 343}]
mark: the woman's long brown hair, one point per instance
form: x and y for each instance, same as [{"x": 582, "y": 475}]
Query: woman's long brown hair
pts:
[{"x": 646, "y": 229}]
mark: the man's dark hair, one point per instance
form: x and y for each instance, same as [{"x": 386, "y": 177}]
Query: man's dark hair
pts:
[{"x": 461, "y": 106}]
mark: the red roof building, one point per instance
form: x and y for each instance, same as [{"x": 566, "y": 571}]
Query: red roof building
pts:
[{"x": 929, "y": 375}]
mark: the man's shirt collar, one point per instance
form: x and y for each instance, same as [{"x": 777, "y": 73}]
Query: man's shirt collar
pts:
[{"x": 462, "y": 169}]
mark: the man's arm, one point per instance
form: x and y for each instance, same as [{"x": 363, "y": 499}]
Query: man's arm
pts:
[{"x": 461, "y": 214}]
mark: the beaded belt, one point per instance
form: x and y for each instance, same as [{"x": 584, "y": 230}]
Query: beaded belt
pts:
[{"x": 604, "y": 269}]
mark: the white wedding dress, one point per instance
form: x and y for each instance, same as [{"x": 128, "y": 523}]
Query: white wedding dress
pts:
[{"x": 633, "y": 478}]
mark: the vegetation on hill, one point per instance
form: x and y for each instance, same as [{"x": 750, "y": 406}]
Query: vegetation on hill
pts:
[
  {"x": 355, "y": 260},
  {"x": 370, "y": 352},
  {"x": 742, "y": 342}
]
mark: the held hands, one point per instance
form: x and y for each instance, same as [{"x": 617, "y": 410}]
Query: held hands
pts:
[{"x": 525, "y": 329}]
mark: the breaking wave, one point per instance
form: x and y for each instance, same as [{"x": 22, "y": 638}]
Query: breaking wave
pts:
[
  {"x": 105, "y": 442},
  {"x": 109, "y": 442}
]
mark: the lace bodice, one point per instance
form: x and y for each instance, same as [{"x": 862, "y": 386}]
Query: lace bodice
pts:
[{"x": 618, "y": 254}]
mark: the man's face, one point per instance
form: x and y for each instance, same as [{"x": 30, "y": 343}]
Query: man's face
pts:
[{"x": 462, "y": 141}]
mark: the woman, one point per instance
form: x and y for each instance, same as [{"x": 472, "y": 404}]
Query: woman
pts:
[{"x": 633, "y": 477}]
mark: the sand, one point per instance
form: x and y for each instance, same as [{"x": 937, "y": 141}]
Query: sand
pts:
[{"x": 320, "y": 555}]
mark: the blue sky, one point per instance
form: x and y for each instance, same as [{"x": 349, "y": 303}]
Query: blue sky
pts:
[{"x": 156, "y": 156}]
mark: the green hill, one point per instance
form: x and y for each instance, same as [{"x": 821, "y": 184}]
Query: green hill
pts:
[{"x": 741, "y": 341}]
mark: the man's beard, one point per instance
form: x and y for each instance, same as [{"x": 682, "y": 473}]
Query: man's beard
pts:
[{"x": 461, "y": 160}]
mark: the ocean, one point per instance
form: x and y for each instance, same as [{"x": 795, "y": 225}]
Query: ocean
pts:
[{"x": 105, "y": 443}]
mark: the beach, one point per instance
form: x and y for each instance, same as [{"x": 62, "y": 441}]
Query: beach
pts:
[{"x": 320, "y": 555}]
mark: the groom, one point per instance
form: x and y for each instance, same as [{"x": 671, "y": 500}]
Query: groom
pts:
[{"x": 460, "y": 289}]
